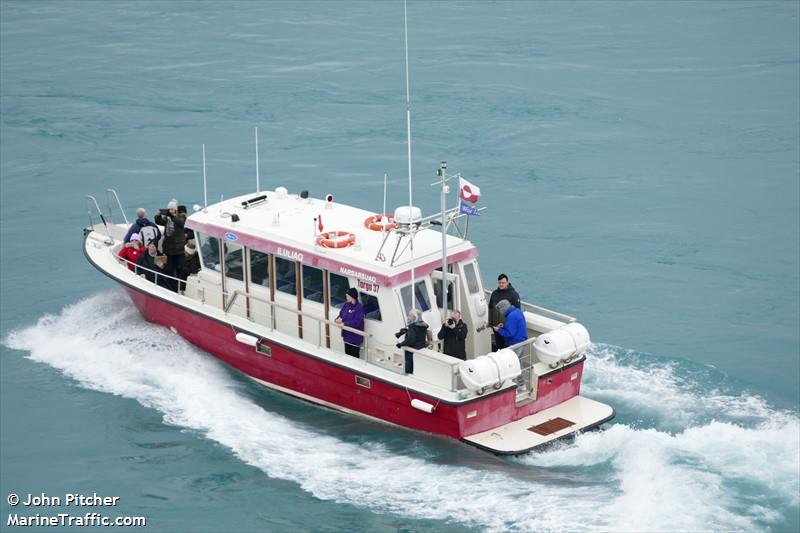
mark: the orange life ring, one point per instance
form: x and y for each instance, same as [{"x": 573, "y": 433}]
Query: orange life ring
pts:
[
  {"x": 374, "y": 223},
  {"x": 336, "y": 239}
]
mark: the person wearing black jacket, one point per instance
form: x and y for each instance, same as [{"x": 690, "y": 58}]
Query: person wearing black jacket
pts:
[
  {"x": 454, "y": 334},
  {"x": 416, "y": 333},
  {"x": 174, "y": 241},
  {"x": 504, "y": 291},
  {"x": 191, "y": 265},
  {"x": 150, "y": 265}
]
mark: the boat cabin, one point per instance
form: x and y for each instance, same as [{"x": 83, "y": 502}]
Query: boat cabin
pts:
[
  {"x": 285, "y": 261},
  {"x": 267, "y": 261}
]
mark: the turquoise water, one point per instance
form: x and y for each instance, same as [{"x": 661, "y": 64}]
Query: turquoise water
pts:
[{"x": 640, "y": 166}]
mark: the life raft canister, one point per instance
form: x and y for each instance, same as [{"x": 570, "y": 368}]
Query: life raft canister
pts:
[
  {"x": 375, "y": 223},
  {"x": 336, "y": 239}
]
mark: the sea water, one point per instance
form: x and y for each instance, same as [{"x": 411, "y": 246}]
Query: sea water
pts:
[{"x": 639, "y": 165}]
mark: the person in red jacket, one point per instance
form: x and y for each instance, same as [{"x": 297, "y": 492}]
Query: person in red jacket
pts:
[{"x": 132, "y": 250}]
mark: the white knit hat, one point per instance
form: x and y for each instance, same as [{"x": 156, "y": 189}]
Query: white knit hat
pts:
[
  {"x": 136, "y": 237},
  {"x": 173, "y": 204}
]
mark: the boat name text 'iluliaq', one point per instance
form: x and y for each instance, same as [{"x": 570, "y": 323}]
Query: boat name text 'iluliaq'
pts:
[
  {"x": 291, "y": 254},
  {"x": 357, "y": 274}
]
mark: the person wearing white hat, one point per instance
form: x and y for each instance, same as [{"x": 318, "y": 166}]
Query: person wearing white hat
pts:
[
  {"x": 174, "y": 241},
  {"x": 191, "y": 264},
  {"x": 130, "y": 252}
]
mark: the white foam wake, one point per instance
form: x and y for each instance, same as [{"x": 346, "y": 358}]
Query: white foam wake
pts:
[
  {"x": 626, "y": 479},
  {"x": 656, "y": 389}
]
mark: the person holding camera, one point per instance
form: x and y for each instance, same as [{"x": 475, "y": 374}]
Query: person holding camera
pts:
[
  {"x": 454, "y": 335},
  {"x": 352, "y": 316},
  {"x": 174, "y": 241},
  {"x": 416, "y": 332}
]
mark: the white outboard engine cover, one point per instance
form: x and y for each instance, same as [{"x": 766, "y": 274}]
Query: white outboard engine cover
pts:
[
  {"x": 507, "y": 363},
  {"x": 478, "y": 373},
  {"x": 561, "y": 343}
]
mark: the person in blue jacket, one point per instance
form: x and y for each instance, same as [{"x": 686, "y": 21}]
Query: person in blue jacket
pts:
[
  {"x": 142, "y": 222},
  {"x": 352, "y": 316},
  {"x": 513, "y": 329}
]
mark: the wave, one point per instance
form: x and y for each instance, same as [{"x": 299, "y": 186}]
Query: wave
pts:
[{"x": 719, "y": 475}]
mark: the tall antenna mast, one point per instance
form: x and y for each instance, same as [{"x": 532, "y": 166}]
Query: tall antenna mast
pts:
[
  {"x": 258, "y": 183},
  {"x": 205, "y": 185},
  {"x": 408, "y": 142},
  {"x": 384, "y": 218}
]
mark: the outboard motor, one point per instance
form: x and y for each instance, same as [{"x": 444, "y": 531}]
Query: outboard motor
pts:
[{"x": 561, "y": 344}]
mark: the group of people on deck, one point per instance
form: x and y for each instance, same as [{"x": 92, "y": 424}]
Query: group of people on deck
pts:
[
  {"x": 505, "y": 315},
  {"x": 165, "y": 257}
]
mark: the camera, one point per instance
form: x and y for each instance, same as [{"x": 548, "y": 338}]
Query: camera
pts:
[
  {"x": 163, "y": 211},
  {"x": 450, "y": 321},
  {"x": 401, "y": 333}
]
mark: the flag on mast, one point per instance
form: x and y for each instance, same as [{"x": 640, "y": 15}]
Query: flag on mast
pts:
[{"x": 468, "y": 194}]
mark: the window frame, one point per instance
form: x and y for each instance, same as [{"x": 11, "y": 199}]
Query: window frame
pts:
[{"x": 293, "y": 273}]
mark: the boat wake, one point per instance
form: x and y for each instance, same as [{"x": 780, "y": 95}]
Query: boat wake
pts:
[{"x": 685, "y": 456}]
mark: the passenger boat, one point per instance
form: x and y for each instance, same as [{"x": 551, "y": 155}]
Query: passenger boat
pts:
[{"x": 275, "y": 266}]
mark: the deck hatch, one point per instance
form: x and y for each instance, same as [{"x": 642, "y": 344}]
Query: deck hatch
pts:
[{"x": 551, "y": 426}]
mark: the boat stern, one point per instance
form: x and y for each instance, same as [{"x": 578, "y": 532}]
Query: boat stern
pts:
[{"x": 563, "y": 420}]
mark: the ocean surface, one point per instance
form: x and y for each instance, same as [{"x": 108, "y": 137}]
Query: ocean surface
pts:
[{"x": 639, "y": 162}]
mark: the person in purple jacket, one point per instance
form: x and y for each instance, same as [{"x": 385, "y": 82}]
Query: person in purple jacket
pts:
[{"x": 352, "y": 316}]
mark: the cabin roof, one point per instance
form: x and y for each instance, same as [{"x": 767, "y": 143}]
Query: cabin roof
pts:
[{"x": 285, "y": 226}]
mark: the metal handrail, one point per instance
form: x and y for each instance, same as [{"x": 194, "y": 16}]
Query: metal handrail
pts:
[
  {"x": 319, "y": 320},
  {"x": 99, "y": 212},
  {"x": 156, "y": 272},
  {"x": 108, "y": 201},
  {"x": 236, "y": 293},
  {"x": 537, "y": 308}
]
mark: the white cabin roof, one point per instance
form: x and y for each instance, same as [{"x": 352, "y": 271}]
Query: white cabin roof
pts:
[{"x": 286, "y": 226}]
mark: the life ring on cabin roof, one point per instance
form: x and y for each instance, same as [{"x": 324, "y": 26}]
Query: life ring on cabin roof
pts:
[
  {"x": 336, "y": 239},
  {"x": 375, "y": 223}
]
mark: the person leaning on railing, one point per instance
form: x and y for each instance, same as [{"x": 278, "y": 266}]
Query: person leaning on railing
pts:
[
  {"x": 416, "y": 332},
  {"x": 191, "y": 264},
  {"x": 131, "y": 251},
  {"x": 352, "y": 316},
  {"x": 513, "y": 329},
  {"x": 151, "y": 263}
]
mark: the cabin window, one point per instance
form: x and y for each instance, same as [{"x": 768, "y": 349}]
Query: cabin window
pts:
[
  {"x": 420, "y": 296},
  {"x": 259, "y": 268},
  {"x": 312, "y": 284},
  {"x": 209, "y": 251},
  {"x": 437, "y": 291},
  {"x": 234, "y": 262},
  {"x": 338, "y": 286},
  {"x": 285, "y": 276},
  {"x": 472, "y": 278},
  {"x": 371, "y": 308}
]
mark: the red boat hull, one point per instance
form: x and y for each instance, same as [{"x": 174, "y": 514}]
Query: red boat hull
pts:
[{"x": 318, "y": 380}]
